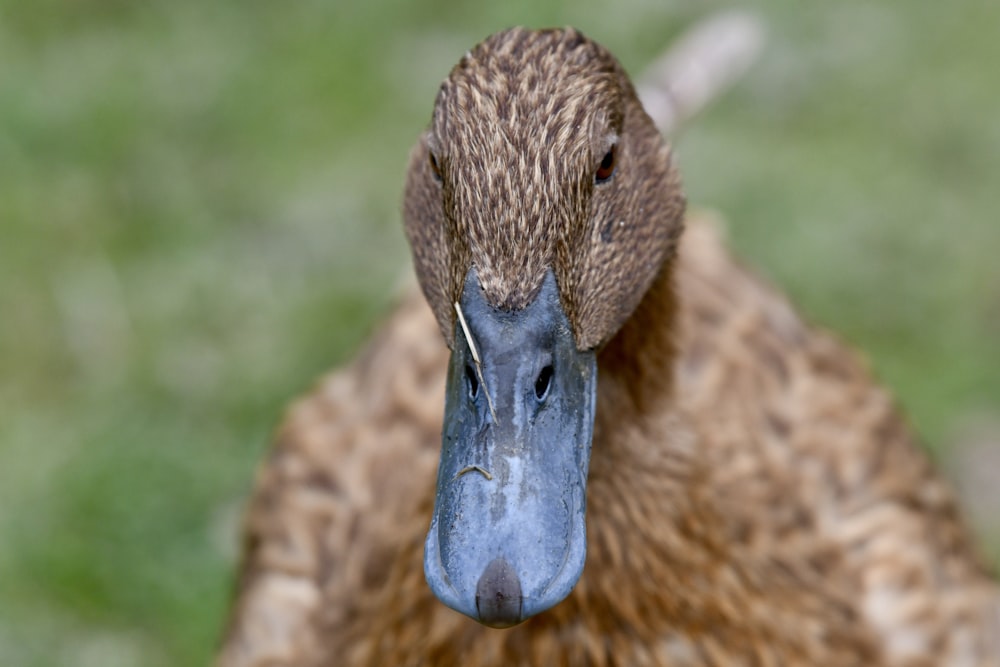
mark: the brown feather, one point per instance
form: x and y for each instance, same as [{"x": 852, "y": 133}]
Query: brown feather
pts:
[
  {"x": 754, "y": 497},
  {"x": 519, "y": 128}
]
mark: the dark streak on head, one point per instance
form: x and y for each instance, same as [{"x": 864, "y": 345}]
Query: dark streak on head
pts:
[{"x": 518, "y": 130}]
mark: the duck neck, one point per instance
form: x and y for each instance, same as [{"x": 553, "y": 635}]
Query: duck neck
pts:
[
  {"x": 651, "y": 514},
  {"x": 635, "y": 368}
]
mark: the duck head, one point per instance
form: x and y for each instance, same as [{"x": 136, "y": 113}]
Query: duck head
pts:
[{"x": 540, "y": 205}]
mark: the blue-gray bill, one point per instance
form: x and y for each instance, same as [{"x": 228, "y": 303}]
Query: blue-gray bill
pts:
[{"x": 508, "y": 535}]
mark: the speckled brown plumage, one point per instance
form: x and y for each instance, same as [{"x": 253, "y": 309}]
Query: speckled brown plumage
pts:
[
  {"x": 519, "y": 128},
  {"x": 754, "y": 497}
]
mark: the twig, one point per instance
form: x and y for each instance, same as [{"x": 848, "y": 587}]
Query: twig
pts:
[
  {"x": 474, "y": 468},
  {"x": 475, "y": 358},
  {"x": 700, "y": 66}
]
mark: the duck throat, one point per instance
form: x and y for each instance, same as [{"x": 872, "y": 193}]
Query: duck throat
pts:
[
  {"x": 636, "y": 367},
  {"x": 652, "y": 520}
]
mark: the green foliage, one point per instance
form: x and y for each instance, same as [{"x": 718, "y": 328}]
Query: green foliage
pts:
[{"x": 198, "y": 216}]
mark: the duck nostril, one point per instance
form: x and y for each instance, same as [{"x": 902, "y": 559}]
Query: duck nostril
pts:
[
  {"x": 543, "y": 382},
  {"x": 470, "y": 375}
]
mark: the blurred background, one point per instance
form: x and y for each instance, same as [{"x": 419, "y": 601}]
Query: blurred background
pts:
[{"x": 199, "y": 216}]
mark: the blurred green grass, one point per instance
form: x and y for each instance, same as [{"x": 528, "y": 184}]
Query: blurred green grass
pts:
[{"x": 198, "y": 215}]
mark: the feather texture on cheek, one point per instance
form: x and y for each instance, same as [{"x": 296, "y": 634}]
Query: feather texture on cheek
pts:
[{"x": 519, "y": 132}]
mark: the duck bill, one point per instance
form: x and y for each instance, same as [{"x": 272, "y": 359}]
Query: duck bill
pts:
[{"x": 508, "y": 535}]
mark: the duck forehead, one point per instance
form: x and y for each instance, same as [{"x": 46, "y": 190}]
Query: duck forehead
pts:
[
  {"x": 519, "y": 123},
  {"x": 548, "y": 78}
]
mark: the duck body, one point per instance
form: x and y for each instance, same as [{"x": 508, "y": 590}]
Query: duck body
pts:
[{"x": 753, "y": 497}]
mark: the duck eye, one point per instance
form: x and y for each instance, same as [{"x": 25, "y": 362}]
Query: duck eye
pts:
[
  {"x": 470, "y": 375},
  {"x": 543, "y": 382},
  {"x": 607, "y": 167},
  {"x": 435, "y": 167}
]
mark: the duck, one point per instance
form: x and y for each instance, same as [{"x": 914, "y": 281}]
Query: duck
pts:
[{"x": 592, "y": 436}]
